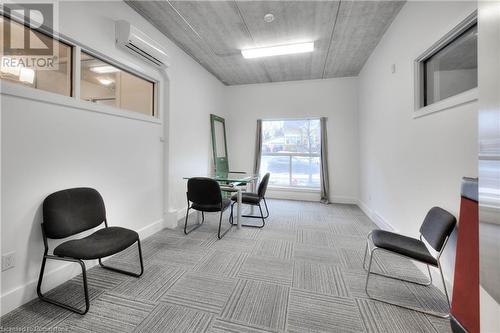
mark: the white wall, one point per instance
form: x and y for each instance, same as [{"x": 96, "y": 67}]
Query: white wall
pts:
[
  {"x": 332, "y": 98},
  {"x": 59, "y": 143},
  {"x": 409, "y": 165}
]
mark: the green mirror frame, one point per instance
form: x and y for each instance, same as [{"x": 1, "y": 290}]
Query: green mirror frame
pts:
[{"x": 221, "y": 162}]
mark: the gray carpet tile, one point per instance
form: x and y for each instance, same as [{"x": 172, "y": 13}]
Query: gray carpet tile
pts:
[
  {"x": 155, "y": 281},
  {"x": 259, "y": 304},
  {"x": 347, "y": 242},
  {"x": 399, "y": 266},
  {"x": 314, "y": 237},
  {"x": 319, "y": 278},
  {"x": 221, "y": 263},
  {"x": 186, "y": 258},
  {"x": 380, "y": 317},
  {"x": 102, "y": 278},
  {"x": 201, "y": 292},
  {"x": 278, "y": 234},
  {"x": 322, "y": 255},
  {"x": 312, "y": 312},
  {"x": 222, "y": 326},
  {"x": 267, "y": 269},
  {"x": 301, "y": 273},
  {"x": 110, "y": 313},
  {"x": 44, "y": 315},
  {"x": 170, "y": 318},
  {"x": 277, "y": 248},
  {"x": 381, "y": 287},
  {"x": 234, "y": 244},
  {"x": 430, "y": 298},
  {"x": 245, "y": 233},
  {"x": 441, "y": 326}
]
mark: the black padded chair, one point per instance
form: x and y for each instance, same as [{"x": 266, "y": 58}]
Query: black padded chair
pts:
[
  {"x": 204, "y": 195},
  {"x": 72, "y": 211},
  {"x": 435, "y": 230},
  {"x": 254, "y": 199}
]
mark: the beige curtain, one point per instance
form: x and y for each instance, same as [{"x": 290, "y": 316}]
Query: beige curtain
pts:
[
  {"x": 258, "y": 147},
  {"x": 325, "y": 183}
]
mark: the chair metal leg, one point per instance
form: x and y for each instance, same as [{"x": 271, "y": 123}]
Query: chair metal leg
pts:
[
  {"x": 251, "y": 216},
  {"x": 127, "y": 272},
  {"x": 219, "y": 235},
  {"x": 52, "y": 301},
  {"x": 444, "y": 284},
  {"x": 428, "y": 283},
  {"x": 432, "y": 313},
  {"x": 195, "y": 226},
  {"x": 267, "y": 209}
]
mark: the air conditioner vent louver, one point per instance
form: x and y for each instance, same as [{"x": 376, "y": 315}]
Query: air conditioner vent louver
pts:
[
  {"x": 134, "y": 48},
  {"x": 140, "y": 45}
]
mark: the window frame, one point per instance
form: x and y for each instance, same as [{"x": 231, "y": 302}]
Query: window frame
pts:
[
  {"x": 46, "y": 34},
  {"x": 16, "y": 89},
  {"x": 419, "y": 76},
  {"x": 122, "y": 68},
  {"x": 290, "y": 156}
]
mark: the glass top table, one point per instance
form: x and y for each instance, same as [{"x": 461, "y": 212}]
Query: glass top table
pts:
[
  {"x": 230, "y": 177},
  {"x": 229, "y": 182}
]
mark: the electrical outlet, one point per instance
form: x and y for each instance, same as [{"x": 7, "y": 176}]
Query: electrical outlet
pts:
[{"x": 8, "y": 261}]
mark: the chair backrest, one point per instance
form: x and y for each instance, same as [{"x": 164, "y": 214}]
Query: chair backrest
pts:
[
  {"x": 438, "y": 224},
  {"x": 263, "y": 185},
  {"x": 72, "y": 211},
  {"x": 203, "y": 191}
]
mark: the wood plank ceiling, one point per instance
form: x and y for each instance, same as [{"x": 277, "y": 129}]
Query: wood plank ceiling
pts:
[{"x": 213, "y": 33}]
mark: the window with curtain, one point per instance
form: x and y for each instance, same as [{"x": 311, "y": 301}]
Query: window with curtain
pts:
[{"x": 291, "y": 151}]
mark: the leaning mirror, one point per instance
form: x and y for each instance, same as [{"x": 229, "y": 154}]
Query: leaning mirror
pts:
[{"x": 219, "y": 144}]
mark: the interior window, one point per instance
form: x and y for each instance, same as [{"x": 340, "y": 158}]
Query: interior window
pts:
[
  {"x": 291, "y": 152},
  {"x": 452, "y": 69},
  {"x": 107, "y": 84},
  {"x": 52, "y": 73}
]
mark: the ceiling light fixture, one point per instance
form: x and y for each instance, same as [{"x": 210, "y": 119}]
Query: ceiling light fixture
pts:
[
  {"x": 105, "y": 82},
  {"x": 277, "y": 50},
  {"x": 268, "y": 18},
  {"x": 104, "y": 69}
]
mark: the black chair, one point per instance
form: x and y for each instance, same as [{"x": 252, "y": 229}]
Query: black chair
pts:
[
  {"x": 69, "y": 212},
  {"x": 436, "y": 230},
  {"x": 204, "y": 195},
  {"x": 254, "y": 199}
]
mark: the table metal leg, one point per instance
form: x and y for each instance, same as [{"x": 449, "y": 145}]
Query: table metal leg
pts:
[
  {"x": 254, "y": 190},
  {"x": 238, "y": 210}
]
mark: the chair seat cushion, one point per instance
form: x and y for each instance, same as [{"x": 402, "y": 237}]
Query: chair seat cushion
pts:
[
  {"x": 211, "y": 208},
  {"x": 247, "y": 198},
  {"x": 404, "y": 245},
  {"x": 102, "y": 243}
]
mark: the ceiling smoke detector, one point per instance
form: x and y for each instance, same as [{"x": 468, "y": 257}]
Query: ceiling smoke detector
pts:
[{"x": 268, "y": 18}]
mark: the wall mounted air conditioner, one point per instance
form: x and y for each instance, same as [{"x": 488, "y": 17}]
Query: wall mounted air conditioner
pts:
[{"x": 139, "y": 44}]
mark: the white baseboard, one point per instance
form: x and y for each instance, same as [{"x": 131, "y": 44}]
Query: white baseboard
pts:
[
  {"x": 20, "y": 295},
  {"x": 343, "y": 200},
  {"x": 381, "y": 222}
]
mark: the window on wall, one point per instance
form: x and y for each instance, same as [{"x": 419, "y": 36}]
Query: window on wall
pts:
[
  {"x": 47, "y": 73},
  {"x": 100, "y": 81},
  {"x": 107, "y": 84},
  {"x": 448, "y": 68},
  {"x": 452, "y": 69},
  {"x": 291, "y": 152}
]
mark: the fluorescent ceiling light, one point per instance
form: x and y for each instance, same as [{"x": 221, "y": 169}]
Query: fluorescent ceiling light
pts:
[
  {"x": 277, "y": 50},
  {"x": 105, "y": 82},
  {"x": 104, "y": 69}
]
